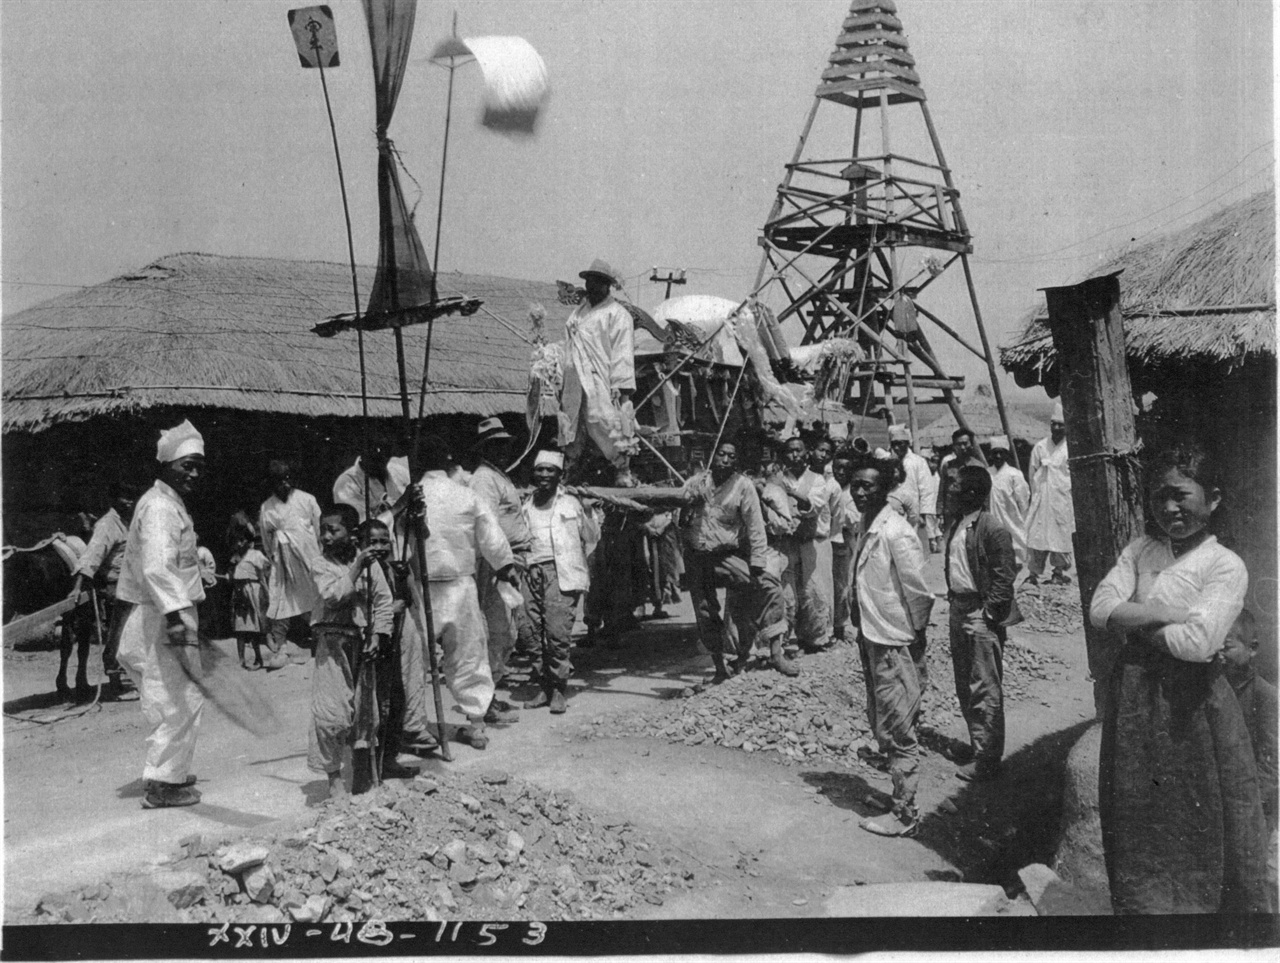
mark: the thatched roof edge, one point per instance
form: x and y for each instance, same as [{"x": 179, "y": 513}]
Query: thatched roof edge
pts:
[{"x": 1170, "y": 289}]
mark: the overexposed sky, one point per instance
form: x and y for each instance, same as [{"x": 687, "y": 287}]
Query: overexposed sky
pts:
[{"x": 132, "y": 129}]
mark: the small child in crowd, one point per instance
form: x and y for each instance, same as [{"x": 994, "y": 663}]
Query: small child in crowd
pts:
[
  {"x": 1257, "y": 698},
  {"x": 248, "y": 595},
  {"x": 344, "y": 577}
]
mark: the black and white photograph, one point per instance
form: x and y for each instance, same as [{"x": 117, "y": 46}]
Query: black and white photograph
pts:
[{"x": 637, "y": 477}]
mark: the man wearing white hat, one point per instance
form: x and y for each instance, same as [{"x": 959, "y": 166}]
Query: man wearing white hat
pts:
[
  {"x": 1051, "y": 518},
  {"x": 493, "y": 486},
  {"x": 159, "y": 588},
  {"x": 462, "y": 530},
  {"x": 599, "y": 372},
  {"x": 915, "y": 486},
  {"x": 1009, "y": 496},
  {"x": 562, "y": 534}
]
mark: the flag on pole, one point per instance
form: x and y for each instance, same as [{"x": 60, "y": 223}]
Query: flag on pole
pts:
[
  {"x": 404, "y": 278},
  {"x": 515, "y": 79},
  {"x": 315, "y": 35}
]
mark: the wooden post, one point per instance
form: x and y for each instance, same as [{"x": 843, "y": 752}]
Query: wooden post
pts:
[{"x": 1097, "y": 403}]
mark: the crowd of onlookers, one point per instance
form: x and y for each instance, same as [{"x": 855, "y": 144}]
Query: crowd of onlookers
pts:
[{"x": 812, "y": 544}]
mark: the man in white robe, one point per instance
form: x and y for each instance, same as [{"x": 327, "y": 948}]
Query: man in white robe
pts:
[
  {"x": 462, "y": 531},
  {"x": 1010, "y": 497},
  {"x": 159, "y": 589},
  {"x": 1051, "y": 519},
  {"x": 386, "y": 478},
  {"x": 917, "y": 482},
  {"x": 494, "y": 487},
  {"x": 808, "y": 575},
  {"x": 599, "y": 373},
  {"x": 290, "y": 524}
]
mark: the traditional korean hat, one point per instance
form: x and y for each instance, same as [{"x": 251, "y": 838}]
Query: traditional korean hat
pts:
[
  {"x": 179, "y": 442},
  {"x": 999, "y": 443},
  {"x": 553, "y": 458},
  {"x": 1057, "y": 413},
  {"x": 899, "y": 433},
  {"x": 491, "y": 429},
  {"x": 601, "y": 268}
]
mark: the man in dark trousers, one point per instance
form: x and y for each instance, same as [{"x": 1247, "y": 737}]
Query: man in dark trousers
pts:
[{"x": 980, "y": 566}]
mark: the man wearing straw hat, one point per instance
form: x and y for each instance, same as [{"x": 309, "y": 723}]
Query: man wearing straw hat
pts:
[
  {"x": 493, "y": 486},
  {"x": 159, "y": 644},
  {"x": 599, "y": 372},
  {"x": 1051, "y": 519},
  {"x": 1009, "y": 496}
]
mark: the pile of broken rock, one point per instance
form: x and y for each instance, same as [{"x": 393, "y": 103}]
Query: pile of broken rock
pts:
[
  {"x": 818, "y": 715},
  {"x": 453, "y": 846}
]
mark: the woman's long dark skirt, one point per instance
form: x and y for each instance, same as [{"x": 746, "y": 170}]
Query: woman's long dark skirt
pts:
[{"x": 1179, "y": 798}]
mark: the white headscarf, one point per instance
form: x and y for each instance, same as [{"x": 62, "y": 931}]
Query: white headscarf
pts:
[{"x": 179, "y": 442}]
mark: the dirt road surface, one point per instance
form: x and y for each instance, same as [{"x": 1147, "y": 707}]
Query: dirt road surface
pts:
[{"x": 773, "y": 837}]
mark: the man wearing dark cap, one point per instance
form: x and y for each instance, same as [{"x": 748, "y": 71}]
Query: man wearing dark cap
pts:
[{"x": 599, "y": 372}]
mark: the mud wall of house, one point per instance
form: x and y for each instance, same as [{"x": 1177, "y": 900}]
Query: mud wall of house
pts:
[
  {"x": 1231, "y": 411},
  {"x": 51, "y": 476}
]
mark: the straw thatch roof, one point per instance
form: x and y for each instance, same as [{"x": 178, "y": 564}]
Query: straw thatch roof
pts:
[
  {"x": 983, "y": 418},
  {"x": 1170, "y": 289},
  {"x": 204, "y": 331}
]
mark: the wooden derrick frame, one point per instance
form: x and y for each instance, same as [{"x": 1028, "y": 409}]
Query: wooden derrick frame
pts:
[{"x": 876, "y": 204}]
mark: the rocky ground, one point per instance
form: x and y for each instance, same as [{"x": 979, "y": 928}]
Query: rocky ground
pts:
[
  {"x": 456, "y": 847},
  {"x": 821, "y": 715},
  {"x": 653, "y": 797}
]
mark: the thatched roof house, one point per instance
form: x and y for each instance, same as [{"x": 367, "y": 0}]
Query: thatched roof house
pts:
[
  {"x": 201, "y": 331},
  {"x": 1199, "y": 310},
  {"x": 1203, "y": 296},
  {"x": 91, "y": 375}
]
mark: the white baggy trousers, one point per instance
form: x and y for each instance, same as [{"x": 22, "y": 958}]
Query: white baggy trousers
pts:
[
  {"x": 171, "y": 702},
  {"x": 464, "y": 637}
]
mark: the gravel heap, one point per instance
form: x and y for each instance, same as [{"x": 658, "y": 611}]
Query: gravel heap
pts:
[
  {"x": 452, "y": 847},
  {"x": 1051, "y": 608},
  {"x": 819, "y": 715}
]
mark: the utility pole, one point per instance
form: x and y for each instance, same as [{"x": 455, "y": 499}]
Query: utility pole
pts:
[
  {"x": 1097, "y": 402},
  {"x": 672, "y": 276}
]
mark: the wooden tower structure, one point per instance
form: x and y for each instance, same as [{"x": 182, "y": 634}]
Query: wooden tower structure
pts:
[{"x": 842, "y": 228}]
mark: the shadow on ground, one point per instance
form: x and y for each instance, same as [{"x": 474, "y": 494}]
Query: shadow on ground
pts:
[{"x": 996, "y": 827}]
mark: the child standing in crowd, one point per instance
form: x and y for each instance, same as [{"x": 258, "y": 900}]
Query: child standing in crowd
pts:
[
  {"x": 1182, "y": 818},
  {"x": 1257, "y": 699},
  {"x": 248, "y": 594},
  {"x": 343, "y": 576}
]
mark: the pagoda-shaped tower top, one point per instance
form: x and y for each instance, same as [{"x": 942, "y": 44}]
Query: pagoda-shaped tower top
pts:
[{"x": 871, "y": 55}]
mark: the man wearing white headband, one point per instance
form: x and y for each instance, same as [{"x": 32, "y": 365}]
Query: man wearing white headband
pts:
[
  {"x": 1050, "y": 518},
  {"x": 1009, "y": 496},
  {"x": 917, "y": 481},
  {"x": 159, "y": 588},
  {"x": 563, "y": 533}
]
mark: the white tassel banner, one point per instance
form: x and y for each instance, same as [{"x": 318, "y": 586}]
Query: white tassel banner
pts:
[{"x": 515, "y": 80}]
